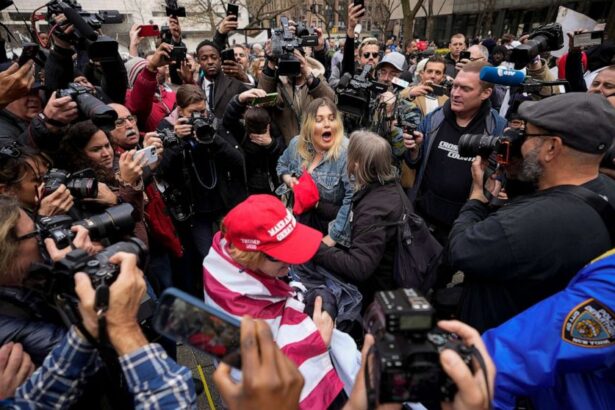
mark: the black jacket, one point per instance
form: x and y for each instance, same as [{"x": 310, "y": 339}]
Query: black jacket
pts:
[
  {"x": 368, "y": 263},
  {"x": 450, "y": 70},
  {"x": 260, "y": 161},
  {"x": 525, "y": 251},
  {"x": 225, "y": 88},
  {"x": 33, "y": 133},
  {"x": 27, "y": 319},
  {"x": 220, "y": 163}
]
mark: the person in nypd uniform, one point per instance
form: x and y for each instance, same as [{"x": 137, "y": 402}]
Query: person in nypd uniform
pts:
[{"x": 560, "y": 353}]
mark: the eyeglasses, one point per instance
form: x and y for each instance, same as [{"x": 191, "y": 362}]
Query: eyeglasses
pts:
[
  {"x": 271, "y": 258},
  {"x": 477, "y": 58},
  {"x": 120, "y": 122},
  {"x": 29, "y": 235},
  {"x": 374, "y": 55}
]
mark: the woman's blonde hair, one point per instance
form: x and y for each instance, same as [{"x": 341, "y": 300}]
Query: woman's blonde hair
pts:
[
  {"x": 9, "y": 246},
  {"x": 305, "y": 147},
  {"x": 369, "y": 159}
]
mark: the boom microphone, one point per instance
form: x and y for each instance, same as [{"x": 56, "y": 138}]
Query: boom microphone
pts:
[
  {"x": 76, "y": 20},
  {"x": 502, "y": 76}
]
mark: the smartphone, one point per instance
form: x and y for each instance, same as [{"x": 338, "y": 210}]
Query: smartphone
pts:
[
  {"x": 178, "y": 54},
  {"x": 232, "y": 10},
  {"x": 227, "y": 55},
  {"x": 150, "y": 30},
  {"x": 269, "y": 99},
  {"x": 590, "y": 39},
  {"x": 360, "y": 2},
  {"x": 29, "y": 52},
  {"x": 184, "y": 318},
  {"x": 438, "y": 90},
  {"x": 465, "y": 54},
  {"x": 149, "y": 153}
]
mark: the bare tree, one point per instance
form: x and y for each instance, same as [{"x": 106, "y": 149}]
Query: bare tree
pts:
[
  {"x": 430, "y": 17},
  {"x": 260, "y": 11},
  {"x": 485, "y": 16},
  {"x": 326, "y": 10},
  {"x": 208, "y": 12},
  {"x": 410, "y": 12},
  {"x": 381, "y": 12}
]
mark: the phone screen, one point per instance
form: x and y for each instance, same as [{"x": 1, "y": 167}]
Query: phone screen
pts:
[
  {"x": 149, "y": 31},
  {"x": 465, "y": 54},
  {"x": 232, "y": 10},
  {"x": 184, "y": 318}
]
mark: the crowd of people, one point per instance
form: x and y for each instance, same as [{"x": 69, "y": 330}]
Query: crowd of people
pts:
[{"x": 278, "y": 187}]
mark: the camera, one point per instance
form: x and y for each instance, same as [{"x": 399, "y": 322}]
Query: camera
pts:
[
  {"x": 354, "y": 93},
  {"x": 81, "y": 184},
  {"x": 404, "y": 364},
  {"x": 549, "y": 37},
  {"x": 284, "y": 42},
  {"x": 203, "y": 128},
  {"x": 505, "y": 148},
  {"x": 89, "y": 106},
  {"x": 110, "y": 225},
  {"x": 100, "y": 48},
  {"x": 169, "y": 139}
]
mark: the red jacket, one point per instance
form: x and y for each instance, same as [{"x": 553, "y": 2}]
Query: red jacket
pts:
[{"x": 142, "y": 101}]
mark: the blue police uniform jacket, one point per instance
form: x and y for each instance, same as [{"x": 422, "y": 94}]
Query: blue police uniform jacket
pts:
[{"x": 560, "y": 353}]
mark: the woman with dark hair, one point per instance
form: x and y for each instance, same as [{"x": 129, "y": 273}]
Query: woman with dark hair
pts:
[
  {"x": 376, "y": 206},
  {"x": 119, "y": 179},
  {"x": 260, "y": 140}
]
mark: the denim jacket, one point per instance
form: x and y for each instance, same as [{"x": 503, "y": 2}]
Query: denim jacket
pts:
[{"x": 331, "y": 177}]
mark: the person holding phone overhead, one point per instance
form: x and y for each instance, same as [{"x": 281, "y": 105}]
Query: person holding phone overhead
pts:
[{"x": 243, "y": 274}]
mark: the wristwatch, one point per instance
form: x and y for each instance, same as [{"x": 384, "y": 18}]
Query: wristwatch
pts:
[{"x": 51, "y": 121}]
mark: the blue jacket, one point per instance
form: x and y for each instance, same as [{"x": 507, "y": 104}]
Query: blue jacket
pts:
[
  {"x": 430, "y": 127},
  {"x": 331, "y": 177},
  {"x": 561, "y": 352}
]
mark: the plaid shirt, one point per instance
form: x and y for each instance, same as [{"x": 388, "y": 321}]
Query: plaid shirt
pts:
[{"x": 155, "y": 380}]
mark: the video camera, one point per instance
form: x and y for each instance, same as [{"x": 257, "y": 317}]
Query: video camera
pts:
[
  {"x": 100, "y": 48},
  {"x": 404, "y": 364},
  {"x": 355, "y": 93},
  {"x": 173, "y": 10},
  {"x": 81, "y": 184},
  {"x": 505, "y": 148},
  {"x": 111, "y": 225},
  {"x": 284, "y": 43},
  {"x": 549, "y": 37},
  {"x": 89, "y": 106}
]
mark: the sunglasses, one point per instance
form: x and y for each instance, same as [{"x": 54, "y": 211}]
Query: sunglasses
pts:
[{"x": 374, "y": 55}]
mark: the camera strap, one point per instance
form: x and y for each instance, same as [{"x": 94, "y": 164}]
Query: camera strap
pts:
[{"x": 101, "y": 305}]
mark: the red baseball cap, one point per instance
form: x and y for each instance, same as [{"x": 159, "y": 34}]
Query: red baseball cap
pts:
[{"x": 262, "y": 223}]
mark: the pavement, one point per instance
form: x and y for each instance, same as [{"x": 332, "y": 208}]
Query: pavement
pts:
[{"x": 191, "y": 358}]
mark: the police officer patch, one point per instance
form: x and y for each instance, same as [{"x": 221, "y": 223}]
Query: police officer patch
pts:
[{"x": 590, "y": 324}]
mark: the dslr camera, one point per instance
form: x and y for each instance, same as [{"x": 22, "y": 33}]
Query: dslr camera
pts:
[
  {"x": 504, "y": 148},
  {"x": 110, "y": 225},
  {"x": 89, "y": 106},
  {"x": 169, "y": 139},
  {"x": 284, "y": 42},
  {"x": 354, "y": 93},
  {"x": 404, "y": 364},
  {"x": 81, "y": 184},
  {"x": 549, "y": 37},
  {"x": 203, "y": 128}
]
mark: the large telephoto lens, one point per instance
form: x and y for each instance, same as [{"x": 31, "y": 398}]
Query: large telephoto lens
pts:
[
  {"x": 471, "y": 145},
  {"x": 114, "y": 223}
]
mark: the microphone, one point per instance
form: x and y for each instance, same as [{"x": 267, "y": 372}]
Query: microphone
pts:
[
  {"x": 76, "y": 20},
  {"x": 502, "y": 76}
]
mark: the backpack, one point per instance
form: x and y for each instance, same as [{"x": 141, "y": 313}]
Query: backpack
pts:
[{"x": 417, "y": 253}]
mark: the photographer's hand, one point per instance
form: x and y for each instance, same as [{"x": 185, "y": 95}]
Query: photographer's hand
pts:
[
  {"x": 15, "y": 82},
  {"x": 421, "y": 89},
  {"x": 355, "y": 12},
  {"x": 160, "y": 58},
  {"x": 131, "y": 166},
  {"x": 63, "y": 110},
  {"x": 151, "y": 139},
  {"x": 289, "y": 180},
  {"x": 323, "y": 321},
  {"x": 125, "y": 296},
  {"x": 234, "y": 69},
  {"x": 269, "y": 378},
  {"x": 247, "y": 96},
  {"x": 58, "y": 202},
  {"x": 183, "y": 128},
  {"x": 228, "y": 24},
  {"x": 413, "y": 143},
  {"x": 186, "y": 72},
  {"x": 473, "y": 392},
  {"x": 82, "y": 241},
  {"x": 15, "y": 367},
  {"x": 105, "y": 196},
  {"x": 135, "y": 39},
  {"x": 478, "y": 171}
]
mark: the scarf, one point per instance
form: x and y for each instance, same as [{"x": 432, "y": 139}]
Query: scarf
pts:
[{"x": 238, "y": 291}]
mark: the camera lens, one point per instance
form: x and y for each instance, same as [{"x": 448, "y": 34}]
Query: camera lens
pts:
[
  {"x": 471, "y": 145},
  {"x": 100, "y": 113},
  {"x": 83, "y": 187},
  {"x": 113, "y": 223}
]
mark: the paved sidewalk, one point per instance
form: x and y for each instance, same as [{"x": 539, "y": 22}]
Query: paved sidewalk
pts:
[{"x": 189, "y": 357}]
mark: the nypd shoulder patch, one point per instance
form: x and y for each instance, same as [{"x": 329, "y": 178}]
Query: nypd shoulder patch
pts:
[{"x": 590, "y": 324}]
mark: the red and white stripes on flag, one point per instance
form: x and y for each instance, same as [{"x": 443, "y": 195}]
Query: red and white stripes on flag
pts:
[{"x": 239, "y": 291}]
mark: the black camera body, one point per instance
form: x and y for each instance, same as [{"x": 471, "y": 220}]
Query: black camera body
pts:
[
  {"x": 354, "y": 93},
  {"x": 505, "y": 148},
  {"x": 405, "y": 362},
  {"x": 549, "y": 37},
  {"x": 284, "y": 43},
  {"x": 89, "y": 106},
  {"x": 169, "y": 138},
  {"x": 81, "y": 184},
  {"x": 110, "y": 225},
  {"x": 203, "y": 128}
]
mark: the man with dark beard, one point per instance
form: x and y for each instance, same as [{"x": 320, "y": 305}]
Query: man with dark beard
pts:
[{"x": 529, "y": 249}]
